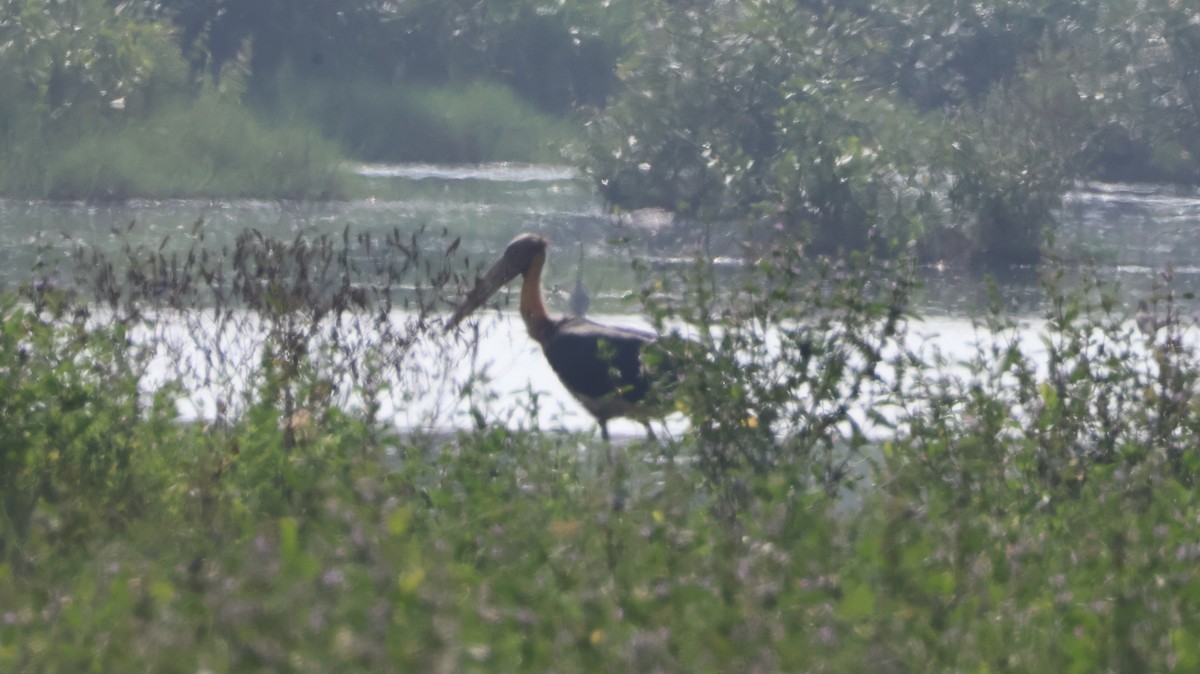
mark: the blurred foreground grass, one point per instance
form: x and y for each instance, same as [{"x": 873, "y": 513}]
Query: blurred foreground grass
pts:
[{"x": 1024, "y": 516}]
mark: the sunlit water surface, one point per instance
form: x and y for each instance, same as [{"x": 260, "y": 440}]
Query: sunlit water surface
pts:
[{"x": 1129, "y": 234}]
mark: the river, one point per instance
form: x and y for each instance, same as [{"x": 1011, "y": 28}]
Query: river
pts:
[{"x": 1129, "y": 233}]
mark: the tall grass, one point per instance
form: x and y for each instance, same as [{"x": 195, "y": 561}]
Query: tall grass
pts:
[
  {"x": 201, "y": 147},
  {"x": 212, "y": 146},
  {"x": 473, "y": 123},
  {"x": 1023, "y": 513},
  {"x": 208, "y": 147}
]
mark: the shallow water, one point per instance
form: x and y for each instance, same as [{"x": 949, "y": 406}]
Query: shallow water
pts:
[
  {"x": 1131, "y": 234},
  {"x": 511, "y": 382}
]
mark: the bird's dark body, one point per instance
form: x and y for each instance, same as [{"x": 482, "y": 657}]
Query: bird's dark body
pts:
[
  {"x": 599, "y": 363},
  {"x": 603, "y": 366}
]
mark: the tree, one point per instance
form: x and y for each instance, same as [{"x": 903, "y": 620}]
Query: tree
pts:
[
  {"x": 85, "y": 57},
  {"x": 762, "y": 113},
  {"x": 557, "y": 55},
  {"x": 839, "y": 121}
]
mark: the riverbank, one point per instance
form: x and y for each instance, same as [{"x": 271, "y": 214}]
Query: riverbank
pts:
[{"x": 1026, "y": 514}]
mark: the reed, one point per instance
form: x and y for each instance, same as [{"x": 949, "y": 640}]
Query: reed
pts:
[
  {"x": 201, "y": 147},
  {"x": 1023, "y": 512}
]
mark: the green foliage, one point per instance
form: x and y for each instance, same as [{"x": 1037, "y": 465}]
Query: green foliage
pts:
[
  {"x": 79, "y": 57},
  {"x": 554, "y": 55},
  {"x": 1011, "y": 162},
  {"x": 480, "y": 122},
  {"x": 785, "y": 349},
  {"x": 832, "y": 122},
  {"x": 205, "y": 147},
  {"x": 1028, "y": 502},
  {"x": 733, "y": 113},
  {"x": 1030, "y": 507},
  {"x": 98, "y": 105},
  {"x": 1143, "y": 84},
  {"x": 69, "y": 402},
  {"x": 472, "y": 124}
]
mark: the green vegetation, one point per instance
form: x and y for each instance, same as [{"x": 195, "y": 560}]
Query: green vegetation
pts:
[
  {"x": 842, "y": 500},
  {"x": 102, "y": 103},
  {"x": 958, "y": 125},
  {"x": 954, "y": 125},
  {"x": 470, "y": 124},
  {"x": 98, "y": 105},
  {"x": 207, "y": 148},
  {"x": 1021, "y": 513}
]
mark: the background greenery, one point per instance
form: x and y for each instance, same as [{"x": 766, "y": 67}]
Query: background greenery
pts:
[{"x": 958, "y": 125}]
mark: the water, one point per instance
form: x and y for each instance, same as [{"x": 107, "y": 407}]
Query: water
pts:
[{"x": 1130, "y": 234}]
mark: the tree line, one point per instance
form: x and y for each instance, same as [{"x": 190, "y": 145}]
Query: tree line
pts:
[{"x": 955, "y": 124}]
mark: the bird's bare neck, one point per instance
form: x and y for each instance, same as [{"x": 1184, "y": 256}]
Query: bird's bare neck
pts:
[{"x": 533, "y": 310}]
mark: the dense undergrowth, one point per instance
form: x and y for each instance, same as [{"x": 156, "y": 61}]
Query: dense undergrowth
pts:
[
  {"x": 1018, "y": 510},
  {"x": 474, "y": 123},
  {"x": 101, "y": 104},
  {"x": 205, "y": 148},
  {"x": 211, "y": 146}
]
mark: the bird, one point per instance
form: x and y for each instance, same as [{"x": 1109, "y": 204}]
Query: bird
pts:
[{"x": 610, "y": 370}]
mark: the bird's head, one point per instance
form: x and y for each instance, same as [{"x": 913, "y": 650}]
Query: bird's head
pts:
[{"x": 518, "y": 258}]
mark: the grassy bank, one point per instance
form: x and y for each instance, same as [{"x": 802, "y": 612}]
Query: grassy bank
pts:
[
  {"x": 211, "y": 146},
  {"x": 1024, "y": 515},
  {"x": 203, "y": 147},
  {"x": 407, "y": 122}
]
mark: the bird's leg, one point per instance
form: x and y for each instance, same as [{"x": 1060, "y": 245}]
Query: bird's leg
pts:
[
  {"x": 615, "y": 468},
  {"x": 610, "y": 452},
  {"x": 649, "y": 431}
]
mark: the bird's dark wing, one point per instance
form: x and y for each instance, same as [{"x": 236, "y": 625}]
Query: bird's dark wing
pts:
[{"x": 597, "y": 360}]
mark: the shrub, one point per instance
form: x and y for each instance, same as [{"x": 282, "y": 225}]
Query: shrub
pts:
[
  {"x": 845, "y": 498},
  {"x": 476, "y": 123},
  {"x": 1012, "y": 160},
  {"x": 76, "y": 458},
  {"x": 206, "y": 147},
  {"x": 787, "y": 355}
]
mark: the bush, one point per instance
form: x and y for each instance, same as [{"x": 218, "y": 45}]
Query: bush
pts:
[
  {"x": 843, "y": 499},
  {"x": 477, "y": 123},
  {"x": 99, "y": 104},
  {"x": 207, "y": 147},
  {"x": 748, "y": 115},
  {"x": 833, "y": 124},
  {"x": 1011, "y": 162},
  {"x": 76, "y": 459},
  {"x": 788, "y": 355}
]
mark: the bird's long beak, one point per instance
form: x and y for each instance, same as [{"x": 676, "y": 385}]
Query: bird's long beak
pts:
[{"x": 501, "y": 273}]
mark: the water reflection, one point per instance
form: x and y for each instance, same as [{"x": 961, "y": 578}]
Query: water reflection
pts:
[
  {"x": 1128, "y": 236},
  {"x": 495, "y": 172}
]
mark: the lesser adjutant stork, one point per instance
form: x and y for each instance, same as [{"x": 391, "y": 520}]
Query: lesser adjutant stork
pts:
[{"x": 606, "y": 368}]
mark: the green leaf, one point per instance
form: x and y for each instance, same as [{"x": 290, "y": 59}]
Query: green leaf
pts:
[
  {"x": 858, "y": 601},
  {"x": 289, "y": 538},
  {"x": 398, "y": 521}
]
